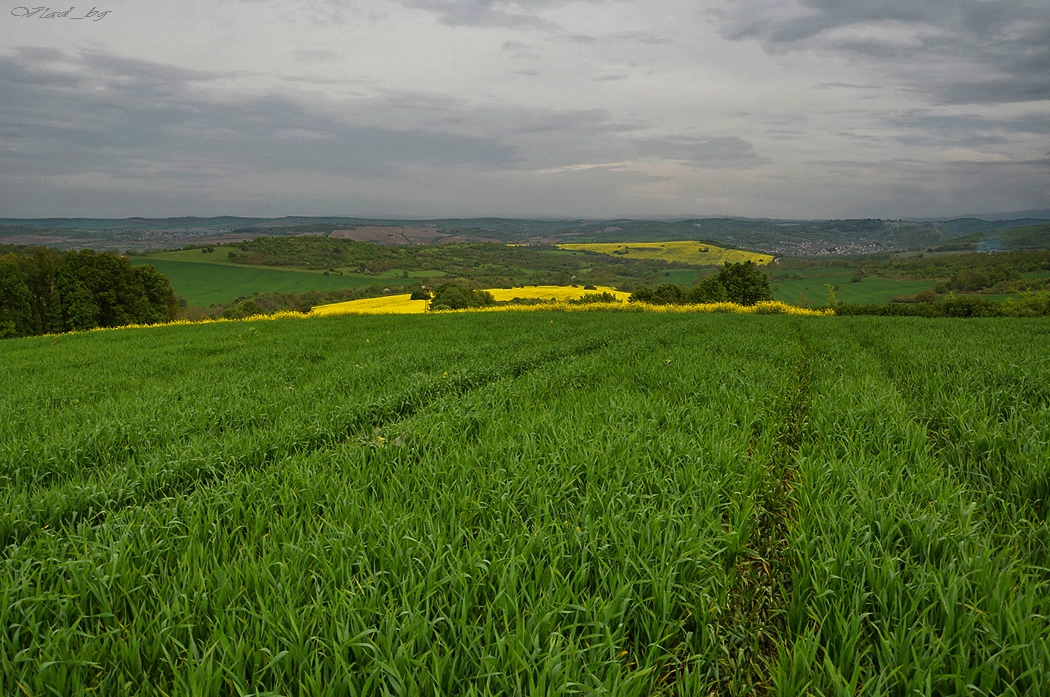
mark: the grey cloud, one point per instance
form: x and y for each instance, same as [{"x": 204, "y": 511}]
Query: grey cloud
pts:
[
  {"x": 1028, "y": 89},
  {"x": 39, "y": 53},
  {"x": 157, "y": 75},
  {"x": 999, "y": 50},
  {"x": 482, "y": 12},
  {"x": 847, "y": 85},
  {"x": 1043, "y": 162},
  {"x": 966, "y": 123},
  {"x": 507, "y": 13},
  {"x": 706, "y": 153},
  {"x": 966, "y": 141},
  {"x": 313, "y": 55},
  {"x": 782, "y": 23},
  {"x": 148, "y": 113},
  {"x": 875, "y": 49},
  {"x": 125, "y": 120},
  {"x": 651, "y": 39}
]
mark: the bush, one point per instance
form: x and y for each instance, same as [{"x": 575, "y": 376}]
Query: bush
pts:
[
  {"x": 1028, "y": 305},
  {"x": 741, "y": 283},
  {"x": 951, "y": 306},
  {"x": 451, "y": 296},
  {"x": 709, "y": 290},
  {"x": 248, "y": 308},
  {"x": 591, "y": 298}
]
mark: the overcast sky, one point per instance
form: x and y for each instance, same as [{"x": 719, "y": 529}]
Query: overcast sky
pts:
[{"x": 600, "y": 108}]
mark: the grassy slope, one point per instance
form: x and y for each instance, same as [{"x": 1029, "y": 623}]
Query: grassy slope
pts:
[
  {"x": 203, "y": 281},
  {"x": 869, "y": 290},
  {"x": 210, "y": 278},
  {"x": 506, "y": 503}
]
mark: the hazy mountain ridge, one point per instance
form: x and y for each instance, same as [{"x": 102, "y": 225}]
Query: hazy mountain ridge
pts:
[{"x": 782, "y": 237}]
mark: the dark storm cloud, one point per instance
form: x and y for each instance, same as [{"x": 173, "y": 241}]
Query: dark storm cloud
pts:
[
  {"x": 999, "y": 50},
  {"x": 112, "y": 111}
]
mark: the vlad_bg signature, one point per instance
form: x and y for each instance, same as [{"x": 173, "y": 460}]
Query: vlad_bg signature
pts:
[{"x": 45, "y": 13}]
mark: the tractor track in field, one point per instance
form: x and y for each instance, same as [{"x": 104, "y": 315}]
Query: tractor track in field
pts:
[
  {"x": 755, "y": 622},
  {"x": 92, "y": 502}
]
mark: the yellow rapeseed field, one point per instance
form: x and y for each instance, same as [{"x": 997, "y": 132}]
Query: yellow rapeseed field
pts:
[
  {"x": 401, "y": 304},
  {"x": 281, "y": 314},
  {"x": 561, "y": 293},
  {"x": 684, "y": 252}
]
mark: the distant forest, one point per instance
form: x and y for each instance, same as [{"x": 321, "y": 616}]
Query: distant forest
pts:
[{"x": 44, "y": 291}]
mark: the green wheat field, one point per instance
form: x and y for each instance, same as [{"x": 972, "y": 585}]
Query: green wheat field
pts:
[{"x": 528, "y": 503}]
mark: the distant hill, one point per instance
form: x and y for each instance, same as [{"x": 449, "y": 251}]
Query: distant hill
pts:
[
  {"x": 969, "y": 226},
  {"x": 1003, "y": 239},
  {"x": 779, "y": 237}
]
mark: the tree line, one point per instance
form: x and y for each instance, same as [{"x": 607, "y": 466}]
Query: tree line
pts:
[
  {"x": 959, "y": 272},
  {"x": 742, "y": 283},
  {"x": 45, "y": 291}
]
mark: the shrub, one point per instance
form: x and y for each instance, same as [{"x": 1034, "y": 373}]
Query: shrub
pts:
[
  {"x": 451, "y": 296},
  {"x": 742, "y": 283}
]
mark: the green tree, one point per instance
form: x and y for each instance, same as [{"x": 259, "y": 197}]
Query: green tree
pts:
[
  {"x": 709, "y": 290},
  {"x": 452, "y": 296},
  {"x": 42, "y": 268},
  {"x": 745, "y": 283},
  {"x": 162, "y": 303},
  {"x": 668, "y": 294},
  {"x": 44, "y": 291},
  {"x": 16, "y": 311}
]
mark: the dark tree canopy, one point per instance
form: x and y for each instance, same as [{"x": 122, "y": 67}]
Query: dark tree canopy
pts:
[
  {"x": 742, "y": 283},
  {"x": 46, "y": 291},
  {"x": 451, "y": 296}
]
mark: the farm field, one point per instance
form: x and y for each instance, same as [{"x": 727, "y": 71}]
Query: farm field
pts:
[
  {"x": 402, "y": 303},
  {"x": 528, "y": 503},
  {"x": 205, "y": 282},
  {"x": 809, "y": 285},
  {"x": 680, "y": 252}
]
